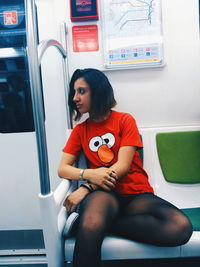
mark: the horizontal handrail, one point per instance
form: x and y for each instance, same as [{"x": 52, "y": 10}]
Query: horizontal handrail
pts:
[
  {"x": 45, "y": 44},
  {"x": 42, "y": 47}
]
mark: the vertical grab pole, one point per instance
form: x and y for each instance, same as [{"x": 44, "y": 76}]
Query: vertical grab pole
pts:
[
  {"x": 36, "y": 94},
  {"x": 65, "y": 72}
]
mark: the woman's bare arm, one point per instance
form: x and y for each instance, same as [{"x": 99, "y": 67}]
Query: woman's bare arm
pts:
[
  {"x": 98, "y": 177},
  {"x": 125, "y": 157}
]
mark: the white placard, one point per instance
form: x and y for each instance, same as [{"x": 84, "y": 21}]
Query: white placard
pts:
[{"x": 132, "y": 33}]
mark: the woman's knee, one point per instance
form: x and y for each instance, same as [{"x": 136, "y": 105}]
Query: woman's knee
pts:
[
  {"x": 181, "y": 228},
  {"x": 97, "y": 212},
  {"x": 185, "y": 229},
  {"x": 175, "y": 225},
  {"x": 92, "y": 223},
  {"x": 175, "y": 222}
]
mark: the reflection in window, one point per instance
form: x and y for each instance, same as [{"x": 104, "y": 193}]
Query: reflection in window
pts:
[
  {"x": 15, "y": 105},
  {"x": 12, "y": 23}
]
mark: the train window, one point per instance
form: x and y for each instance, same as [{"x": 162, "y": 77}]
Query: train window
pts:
[
  {"x": 16, "y": 113},
  {"x": 15, "y": 98}
]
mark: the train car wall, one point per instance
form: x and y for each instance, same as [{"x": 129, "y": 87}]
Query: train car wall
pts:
[{"x": 166, "y": 96}]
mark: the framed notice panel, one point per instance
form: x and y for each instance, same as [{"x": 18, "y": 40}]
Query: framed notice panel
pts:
[
  {"x": 132, "y": 34},
  {"x": 85, "y": 38},
  {"x": 83, "y": 10}
]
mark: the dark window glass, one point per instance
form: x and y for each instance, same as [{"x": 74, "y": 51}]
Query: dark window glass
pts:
[
  {"x": 15, "y": 98},
  {"x": 2, "y": 65}
]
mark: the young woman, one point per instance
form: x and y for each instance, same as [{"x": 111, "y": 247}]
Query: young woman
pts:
[{"x": 117, "y": 196}]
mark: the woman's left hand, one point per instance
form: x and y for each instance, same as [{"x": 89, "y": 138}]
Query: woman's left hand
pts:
[
  {"x": 101, "y": 177},
  {"x": 73, "y": 200}
]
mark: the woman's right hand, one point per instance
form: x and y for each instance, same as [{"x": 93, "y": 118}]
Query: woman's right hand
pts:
[
  {"x": 74, "y": 199},
  {"x": 103, "y": 177}
]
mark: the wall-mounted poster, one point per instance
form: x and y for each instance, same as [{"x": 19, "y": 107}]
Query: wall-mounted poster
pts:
[
  {"x": 84, "y": 10},
  {"x": 132, "y": 33},
  {"x": 85, "y": 38}
]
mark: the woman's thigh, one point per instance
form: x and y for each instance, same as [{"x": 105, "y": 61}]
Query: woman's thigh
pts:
[
  {"x": 98, "y": 208},
  {"x": 149, "y": 203},
  {"x": 151, "y": 219}
]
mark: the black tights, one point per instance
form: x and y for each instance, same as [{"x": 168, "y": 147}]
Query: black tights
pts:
[{"x": 146, "y": 218}]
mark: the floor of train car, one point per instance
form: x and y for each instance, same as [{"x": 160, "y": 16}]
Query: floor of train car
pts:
[{"x": 192, "y": 262}]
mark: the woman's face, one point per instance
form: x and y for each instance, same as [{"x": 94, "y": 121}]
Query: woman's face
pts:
[{"x": 82, "y": 96}]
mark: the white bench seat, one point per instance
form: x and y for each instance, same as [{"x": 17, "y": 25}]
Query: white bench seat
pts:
[{"x": 185, "y": 196}]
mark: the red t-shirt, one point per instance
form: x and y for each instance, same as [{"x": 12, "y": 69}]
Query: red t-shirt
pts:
[{"x": 101, "y": 141}]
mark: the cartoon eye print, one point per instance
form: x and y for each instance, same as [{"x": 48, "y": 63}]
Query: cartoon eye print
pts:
[
  {"x": 95, "y": 143},
  {"x": 102, "y": 145},
  {"x": 109, "y": 139}
]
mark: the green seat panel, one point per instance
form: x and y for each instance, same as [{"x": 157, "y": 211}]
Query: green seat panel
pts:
[
  {"x": 194, "y": 216},
  {"x": 179, "y": 156}
]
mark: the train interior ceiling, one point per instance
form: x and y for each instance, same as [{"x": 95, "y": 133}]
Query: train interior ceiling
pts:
[{"x": 150, "y": 51}]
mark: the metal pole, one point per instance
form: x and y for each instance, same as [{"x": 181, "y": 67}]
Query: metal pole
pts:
[
  {"x": 43, "y": 46},
  {"x": 63, "y": 30},
  {"x": 36, "y": 94}
]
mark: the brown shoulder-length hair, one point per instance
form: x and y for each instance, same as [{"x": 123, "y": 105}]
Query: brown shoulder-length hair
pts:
[{"x": 102, "y": 96}]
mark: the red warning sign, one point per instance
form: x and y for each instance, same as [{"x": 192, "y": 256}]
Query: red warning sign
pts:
[
  {"x": 10, "y": 17},
  {"x": 85, "y": 38}
]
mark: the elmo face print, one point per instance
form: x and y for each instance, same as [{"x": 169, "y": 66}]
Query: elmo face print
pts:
[{"x": 102, "y": 145}]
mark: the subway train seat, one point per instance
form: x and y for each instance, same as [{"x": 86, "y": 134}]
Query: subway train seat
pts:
[{"x": 172, "y": 160}]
